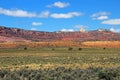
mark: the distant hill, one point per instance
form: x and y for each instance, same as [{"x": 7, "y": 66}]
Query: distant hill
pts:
[{"x": 19, "y": 35}]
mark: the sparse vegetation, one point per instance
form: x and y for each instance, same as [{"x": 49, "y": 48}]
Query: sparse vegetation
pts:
[
  {"x": 56, "y": 63},
  {"x": 62, "y": 73}
]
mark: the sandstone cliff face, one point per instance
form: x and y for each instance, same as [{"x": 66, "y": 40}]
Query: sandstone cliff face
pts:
[{"x": 14, "y": 34}]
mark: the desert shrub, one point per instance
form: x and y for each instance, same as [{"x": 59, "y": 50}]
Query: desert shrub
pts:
[
  {"x": 53, "y": 49},
  {"x": 61, "y": 73},
  {"x": 79, "y": 49},
  {"x": 2, "y": 74},
  {"x": 70, "y": 48},
  {"x": 25, "y": 48},
  {"x": 104, "y": 48},
  {"x": 108, "y": 74}
]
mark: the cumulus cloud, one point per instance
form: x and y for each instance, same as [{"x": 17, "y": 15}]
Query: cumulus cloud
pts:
[
  {"x": 115, "y": 30},
  {"x": 36, "y": 23},
  {"x": 67, "y": 30},
  {"x": 112, "y": 22},
  {"x": 59, "y": 4},
  {"x": 67, "y": 15},
  {"x": 23, "y": 13},
  {"x": 16, "y": 13},
  {"x": 100, "y": 16}
]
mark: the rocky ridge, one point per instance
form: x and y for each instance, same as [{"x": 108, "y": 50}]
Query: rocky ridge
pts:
[{"x": 16, "y": 35}]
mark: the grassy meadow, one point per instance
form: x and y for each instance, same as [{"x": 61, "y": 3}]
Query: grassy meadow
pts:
[{"x": 59, "y": 63}]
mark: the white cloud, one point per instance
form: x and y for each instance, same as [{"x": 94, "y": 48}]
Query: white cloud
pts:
[
  {"x": 115, "y": 30},
  {"x": 67, "y": 30},
  {"x": 44, "y": 14},
  {"x": 100, "y": 13},
  {"x": 112, "y": 22},
  {"x": 23, "y": 13},
  {"x": 36, "y": 23},
  {"x": 100, "y": 16},
  {"x": 80, "y": 26},
  {"x": 34, "y": 29},
  {"x": 59, "y": 4},
  {"x": 16, "y": 13},
  {"x": 67, "y": 15}
]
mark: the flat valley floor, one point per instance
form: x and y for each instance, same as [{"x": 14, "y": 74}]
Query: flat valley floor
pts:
[{"x": 60, "y": 63}]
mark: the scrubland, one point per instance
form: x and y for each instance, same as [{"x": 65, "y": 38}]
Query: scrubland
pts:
[{"x": 73, "y": 61}]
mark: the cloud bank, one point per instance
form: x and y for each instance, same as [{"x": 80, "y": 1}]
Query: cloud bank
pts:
[
  {"x": 43, "y": 14},
  {"x": 112, "y": 22},
  {"x": 16, "y": 13},
  {"x": 23, "y": 13}
]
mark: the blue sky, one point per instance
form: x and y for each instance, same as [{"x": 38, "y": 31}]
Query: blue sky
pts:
[{"x": 60, "y": 15}]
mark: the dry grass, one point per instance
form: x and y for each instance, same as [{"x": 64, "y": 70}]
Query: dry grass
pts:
[{"x": 107, "y": 44}]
